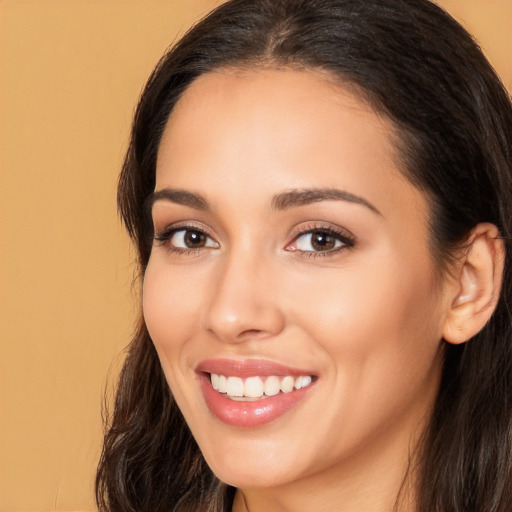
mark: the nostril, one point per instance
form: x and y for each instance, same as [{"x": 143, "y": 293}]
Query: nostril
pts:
[
  {"x": 247, "y": 334},
  {"x": 254, "y": 334}
]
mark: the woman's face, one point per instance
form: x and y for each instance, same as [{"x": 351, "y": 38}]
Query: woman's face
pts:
[{"x": 291, "y": 262}]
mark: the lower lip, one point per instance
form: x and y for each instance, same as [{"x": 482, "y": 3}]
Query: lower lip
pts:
[{"x": 249, "y": 414}]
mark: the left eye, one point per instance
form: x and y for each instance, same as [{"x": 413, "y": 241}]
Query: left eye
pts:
[
  {"x": 318, "y": 241},
  {"x": 190, "y": 239}
]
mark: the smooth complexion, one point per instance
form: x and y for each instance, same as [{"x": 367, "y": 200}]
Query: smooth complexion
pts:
[{"x": 235, "y": 275}]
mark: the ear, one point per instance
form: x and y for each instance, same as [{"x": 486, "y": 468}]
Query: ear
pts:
[{"x": 476, "y": 288}]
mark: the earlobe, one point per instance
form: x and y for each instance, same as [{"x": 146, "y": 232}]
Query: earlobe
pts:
[{"x": 476, "y": 290}]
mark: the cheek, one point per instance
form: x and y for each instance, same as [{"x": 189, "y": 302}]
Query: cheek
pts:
[
  {"x": 380, "y": 325},
  {"x": 170, "y": 312},
  {"x": 379, "y": 330},
  {"x": 169, "y": 307}
]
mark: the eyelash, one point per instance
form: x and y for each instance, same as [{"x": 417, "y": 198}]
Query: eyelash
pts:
[{"x": 347, "y": 240}]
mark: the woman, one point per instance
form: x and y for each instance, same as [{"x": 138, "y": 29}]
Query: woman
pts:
[{"x": 320, "y": 193}]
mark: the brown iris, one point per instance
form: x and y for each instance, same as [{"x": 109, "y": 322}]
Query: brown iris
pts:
[
  {"x": 322, "y": 241},
  {"x": 194, "y": 239}
]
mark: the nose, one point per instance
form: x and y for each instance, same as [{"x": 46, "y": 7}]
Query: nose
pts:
[{"x": 243, "y": 302}]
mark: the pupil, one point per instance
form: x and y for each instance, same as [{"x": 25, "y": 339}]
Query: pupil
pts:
[
  {"x": 322, "y": 241},
  {"x": 194, "y": 239}
]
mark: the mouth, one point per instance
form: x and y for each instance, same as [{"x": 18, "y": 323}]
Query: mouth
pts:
[{"x": 252, "y": 393}]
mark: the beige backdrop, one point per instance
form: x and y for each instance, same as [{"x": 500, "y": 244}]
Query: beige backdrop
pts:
[{"x": 71, "y": 71}]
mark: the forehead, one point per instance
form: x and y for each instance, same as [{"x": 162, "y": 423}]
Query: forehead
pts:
[
  {"x": 273, "y": 98},
  {"x": 270, "y": 129}
]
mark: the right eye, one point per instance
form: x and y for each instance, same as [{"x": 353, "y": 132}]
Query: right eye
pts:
[{"x": 186, "y": 239}]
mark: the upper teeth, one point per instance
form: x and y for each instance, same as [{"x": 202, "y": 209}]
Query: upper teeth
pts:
[{"x": 256, "y": 387}]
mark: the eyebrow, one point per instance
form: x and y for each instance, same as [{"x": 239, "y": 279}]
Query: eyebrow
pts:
[
  {"x": 283, "y": 201},
  {"x": 302, "y": 197},
  {"x": 178, "y": 196}
]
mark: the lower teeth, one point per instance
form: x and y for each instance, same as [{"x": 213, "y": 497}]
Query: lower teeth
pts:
[{"x": 244, "y": 398}]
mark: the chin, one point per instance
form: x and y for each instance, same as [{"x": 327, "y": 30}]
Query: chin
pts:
[
  {"x": 252, "y": 477},
  {"x": 253, "y": 468}
]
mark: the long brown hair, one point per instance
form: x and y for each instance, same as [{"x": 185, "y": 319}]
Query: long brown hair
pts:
[{"x": 416, "y": 65}]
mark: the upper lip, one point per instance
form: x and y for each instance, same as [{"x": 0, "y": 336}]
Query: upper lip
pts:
[{"x": 248, "y": 368}]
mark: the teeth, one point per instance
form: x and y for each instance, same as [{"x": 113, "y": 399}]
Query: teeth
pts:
[
  {"x": 302, "y": 382},
  {"x": 287, "y": 384},
  {"x": 272, "y": 386},
  {"x": 223, "y": 384},
  {"x": 253, "y": 387},
  {"x": 257, "y": 387},
  {"x": 306, "y": 381},
  {"x": 235, "y": 387}
]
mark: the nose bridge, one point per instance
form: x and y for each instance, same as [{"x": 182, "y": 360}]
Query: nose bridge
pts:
[{"x": 242, "y": 303}]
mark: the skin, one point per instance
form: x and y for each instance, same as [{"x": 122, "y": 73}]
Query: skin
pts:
[{"x": 367, "y": 319}]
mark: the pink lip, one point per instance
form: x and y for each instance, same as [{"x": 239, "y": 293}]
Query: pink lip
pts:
[
  {"x": 248, "y": 368},
  {"x": 254, "y": 413}
]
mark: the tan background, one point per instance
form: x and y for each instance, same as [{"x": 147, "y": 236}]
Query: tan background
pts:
[{"x": 71, "y": 72}]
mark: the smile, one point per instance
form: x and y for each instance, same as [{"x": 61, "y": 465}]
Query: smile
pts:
[
  {"x": 254, "y": 388},
  {"x": 253, "y": 393}
]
